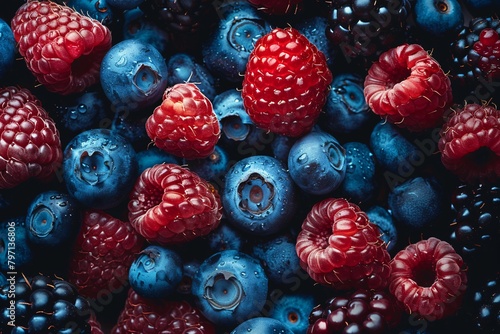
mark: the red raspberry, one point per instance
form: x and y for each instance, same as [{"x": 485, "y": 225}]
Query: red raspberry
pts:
[
  {"x": 428, "y": 277},
  {"x": 488, "y": 49},
  {"x": 340, "y": 247},
  {"x": 141, "y": 315},
  {"x": 185, "y": 123},
  {"x": 62, "y": 47},
  {"x": 285, "y": 83},
  {"x": 361, "y": 311},
  {"x": 170, "y": 204},
  {"x": 30, "y": 146},
  {"x": 470, "y": 143},
  {"x": 409, "y": 88},
  {"x": 104, "y": 250}
]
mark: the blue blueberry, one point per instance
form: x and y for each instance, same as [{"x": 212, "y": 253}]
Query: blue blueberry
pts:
[
  {"x": 482, "y": 5},
  {"x": 182, "y": 67},
  {"x": 316, "y": 163},
  {"x": 233, "y": 118},
  {"x": 189, "y": 269},
  {"x": 53, "y": 219},
  {"x": 125, "y": 4},
  {"x": 96, "y": 9},
  {"x": 346, "y": 110},
  {"x": 417, "y": 202},
  {"x": 133, "y": 75},
  {"x": 281, "y": 146},
  {"x": 212, "y": 168},
  {"x": 394, "y": 153},
  {"x": 8, "y": 47},
  {"x": 438, "y": 18},
  {"x": 384, "y": 221},
  {"x": 229, "y": 287},
  {"x": 3, "y": 280},
  {"x": 314, "y": 28},
  {"x": 133, "y": 129},
  {"x": 151, "y": 156},
  {"x": 99, "y": 168},
  {"x": 226, "y": 51},
  {"x": 15, "y": 251},
  {"x": 359, "y": 184},
  {"x": 261, "y": 325},
  {"x": 259, "y": 195},
  {"x": 136, "y": 26},
  {"x": 292, "y": 310},
  {"x": 224, "y": 237},
  {"x": 278, "y": 257},
  {"x": 156, "y": 272}
]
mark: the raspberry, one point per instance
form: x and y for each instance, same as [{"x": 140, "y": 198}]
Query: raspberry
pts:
[
  {"x": 142, "y": 315},
  {"x": 61, "y": 47},
  {"x": 338, "y": 246},
  {"x": 470, "y": 143},
  {"x": 103, "y": 253},
  {"x": 429, "y": 278},
  {"x": 361, "y": 311},
  {"x": 30, "y": 146},
  {"x": 170, "y": 204},
  {"x": 285, "y": 83},
  {"x": 185, "y": 123},
  {"x": 409, "y": 88}
]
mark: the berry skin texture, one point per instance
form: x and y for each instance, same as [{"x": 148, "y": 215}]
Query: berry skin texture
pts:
[
  {"x": 184, "y": 124},
  {"x": 61, "y": 47},
  {"x": 409, "y": 88},
  {"x": 141, "y": 315},
  {"x": 287, "y": 74},
  {"x": 170, "y": 204},
  {"x": 339, "y": 247},
  {"x": 103, "y": 252},
  {"x": 429, "y": 278},
  {"x": 470, "y": 143},
  {"x": 30, "y": 146}
]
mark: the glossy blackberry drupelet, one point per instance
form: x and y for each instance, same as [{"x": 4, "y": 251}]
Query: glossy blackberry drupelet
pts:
[
  {"x": 475, "y": 229},
  {"x": 44, "y": 305},
  {"x": 365, "y": 29},
  {"x": 483, "y": 306}
]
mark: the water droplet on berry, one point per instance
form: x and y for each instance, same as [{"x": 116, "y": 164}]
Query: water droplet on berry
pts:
[{"x": 302, "y": 158}]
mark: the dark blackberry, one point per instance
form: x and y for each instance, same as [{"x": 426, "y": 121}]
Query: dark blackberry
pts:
[
  {"x": 180, "y": 16},
  {"x": 475, "y": 227},
  {"x": 366, "y": 28},
  {"x": 43, "y": 304},
  {"x": 472, "y": 62},
  {"x": 360, "y": 311}
]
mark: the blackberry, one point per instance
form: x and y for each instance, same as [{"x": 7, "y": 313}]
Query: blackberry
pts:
[
  {"x": 366, "y": 28},
  {"x": 43, "y": 304},
  {"x": 475, "y": 54},
  {"x": 475, "y": 228}
]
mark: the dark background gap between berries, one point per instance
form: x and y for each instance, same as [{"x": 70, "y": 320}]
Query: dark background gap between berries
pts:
[{"x": 460, "y": 206}]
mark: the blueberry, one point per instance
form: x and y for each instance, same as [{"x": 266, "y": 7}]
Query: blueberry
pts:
[
  {"x": 384, "y": 221},
  {"x": 133, "y": 129},
  {"x": 8, "y": 47},
  {"x": 226, "y": 51},
  {"x": 151, "y": 156},
  {"x": 182, "y": 67},
  {"x": 233, "y": 118},
  {"x": 317, "y": 163},
  {"x": 359, "y": 183},
  {"x": 133, "y": 75},
  {"x": 15, "y": 252},
  {"x": 212, "y": 168},
  {"x": 96, "y": 9},
  {"x": 125, "y": 4},
  {"x": 438, "y": 18},
  {"x": 346, "y": 110},
  {"x": 189, "y": 269},
  {"x": 258, "y": 195},
  {"x": 230, "y": 287},
  {"x": 224, "y": 237},
  {"x": 99, "y": 168},
  {"x": 136, "y": 26},
  {"x": 293, "y": 309},
  {"x": 395, "y": 154},
  {"x": 417, "y": 202},
  {"x": 281, "y": 146},
  {"x": 156, "y": 272},
  {"x": 278, "y": 257},
  {"x": 314, "y": 28},
  {"x": 3, "y": 281},
  {"x": 261, "y": 325},
  {"x": 53, "y": 219}
]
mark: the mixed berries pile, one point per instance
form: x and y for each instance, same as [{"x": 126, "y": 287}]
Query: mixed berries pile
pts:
[{"x": 234, "y": 166}]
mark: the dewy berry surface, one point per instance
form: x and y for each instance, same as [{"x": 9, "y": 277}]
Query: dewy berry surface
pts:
[{"x": 221, "y": 166}]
